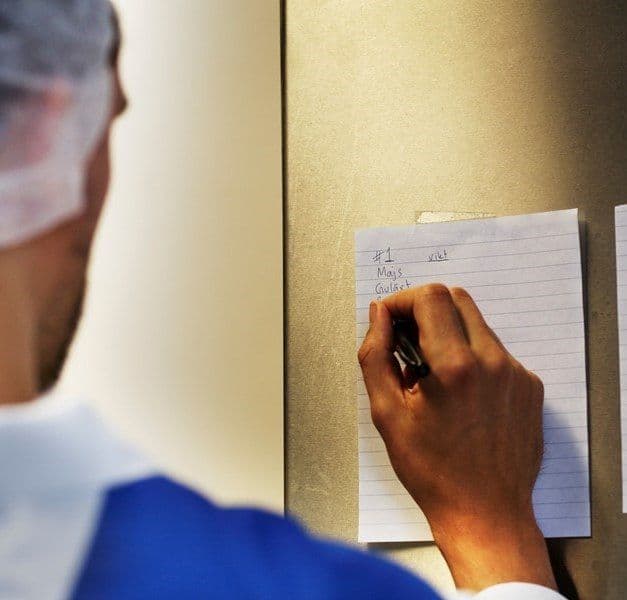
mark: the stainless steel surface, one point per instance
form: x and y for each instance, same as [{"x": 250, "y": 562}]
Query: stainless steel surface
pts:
[{"x": 394, "y": 108}]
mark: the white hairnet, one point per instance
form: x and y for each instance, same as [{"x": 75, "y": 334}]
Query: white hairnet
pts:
[{"x": 55, "y": 100}]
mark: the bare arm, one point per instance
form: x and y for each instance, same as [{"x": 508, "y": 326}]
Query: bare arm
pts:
[{"x": 466, "y": 441}]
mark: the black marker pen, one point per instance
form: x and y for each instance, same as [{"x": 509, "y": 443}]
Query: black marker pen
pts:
[{"x": 407, "y": 348}]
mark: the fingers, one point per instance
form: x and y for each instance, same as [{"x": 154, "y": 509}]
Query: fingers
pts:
[
  {"x": 479, "y": 334},
  {"x": 440, "y": 328},
  {"x": 381, "y": 371}
]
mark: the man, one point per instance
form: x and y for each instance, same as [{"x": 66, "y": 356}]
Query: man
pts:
[{"x": 84, "y": 516}]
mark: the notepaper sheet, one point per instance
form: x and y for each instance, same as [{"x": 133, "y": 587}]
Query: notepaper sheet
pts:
[
  {"x": 525, "y": 275},
  {"x": 621, "y": 283}
]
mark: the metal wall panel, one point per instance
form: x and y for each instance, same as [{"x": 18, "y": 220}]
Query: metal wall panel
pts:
[{"x": 398, "y": 107}]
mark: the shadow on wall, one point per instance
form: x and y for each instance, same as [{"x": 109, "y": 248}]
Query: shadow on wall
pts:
[{"x": 588, "y": 69}]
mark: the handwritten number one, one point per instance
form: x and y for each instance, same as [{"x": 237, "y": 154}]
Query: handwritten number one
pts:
[{"x": 380, "y": 253}]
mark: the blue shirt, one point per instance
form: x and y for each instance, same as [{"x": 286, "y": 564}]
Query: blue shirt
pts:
[{"x": 157, "y": 540}]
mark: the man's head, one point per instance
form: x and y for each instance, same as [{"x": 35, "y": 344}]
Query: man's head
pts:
[
  {"x": 47, "y": 231},
  {"x": 71, "y": 244}
]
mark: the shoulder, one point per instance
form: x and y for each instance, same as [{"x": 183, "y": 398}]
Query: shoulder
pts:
[{"x": 157, "y": 539}]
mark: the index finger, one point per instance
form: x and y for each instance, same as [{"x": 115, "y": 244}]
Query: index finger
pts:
[{"x": 432, "y": 307}]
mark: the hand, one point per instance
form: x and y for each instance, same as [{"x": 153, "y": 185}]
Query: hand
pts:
[{"x": 466, "y": 441}]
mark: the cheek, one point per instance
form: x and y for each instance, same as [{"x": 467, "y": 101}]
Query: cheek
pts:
[{"x": 98, "y": 176}]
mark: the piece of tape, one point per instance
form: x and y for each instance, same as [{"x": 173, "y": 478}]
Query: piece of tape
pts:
[{"x": 427, "y": 216}]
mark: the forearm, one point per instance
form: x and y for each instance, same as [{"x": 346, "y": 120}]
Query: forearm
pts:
[{"x": 481, "y": 555}]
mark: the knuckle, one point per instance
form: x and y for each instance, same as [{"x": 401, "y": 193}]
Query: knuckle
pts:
[
  {"x": 498, "y": 364},
  {"x": 459, "y": 293},
  {"x": 538, "y": 387},
  {"x": 380, "y": 416},
  {"x": 365, "y": 352},
  {"x": 460, "y": 368},
  {"x": 433, "y": 290}
]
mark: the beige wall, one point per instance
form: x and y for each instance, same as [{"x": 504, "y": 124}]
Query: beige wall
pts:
[
  {"x": 396, "y": 107},
  {"x": 181, "y": 346}
]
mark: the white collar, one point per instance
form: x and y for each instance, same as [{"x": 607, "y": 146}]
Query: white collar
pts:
[{"x": 55, "y": 443}]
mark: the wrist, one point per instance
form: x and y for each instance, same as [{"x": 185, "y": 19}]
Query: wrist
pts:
[{"x": 482, "y": 553}]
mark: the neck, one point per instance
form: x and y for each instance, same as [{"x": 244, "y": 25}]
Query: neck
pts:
[{"x": 18, "y": 356}]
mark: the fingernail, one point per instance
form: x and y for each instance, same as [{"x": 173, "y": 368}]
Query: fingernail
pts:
[{"x": 373, "y": 311}]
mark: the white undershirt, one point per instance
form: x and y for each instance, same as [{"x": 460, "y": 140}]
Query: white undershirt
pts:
[{"x": 56, "y": 461}]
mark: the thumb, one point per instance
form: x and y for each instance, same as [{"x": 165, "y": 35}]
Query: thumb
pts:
[{"x": 381, "y": 371}]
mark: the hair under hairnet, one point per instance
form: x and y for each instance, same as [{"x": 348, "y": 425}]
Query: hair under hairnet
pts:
[{"x": 55, "y": 101}]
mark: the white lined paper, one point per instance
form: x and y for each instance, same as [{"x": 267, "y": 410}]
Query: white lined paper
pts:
[
  {"x": 620, "y": 217},
  {"x": 525, "y": 275}
]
